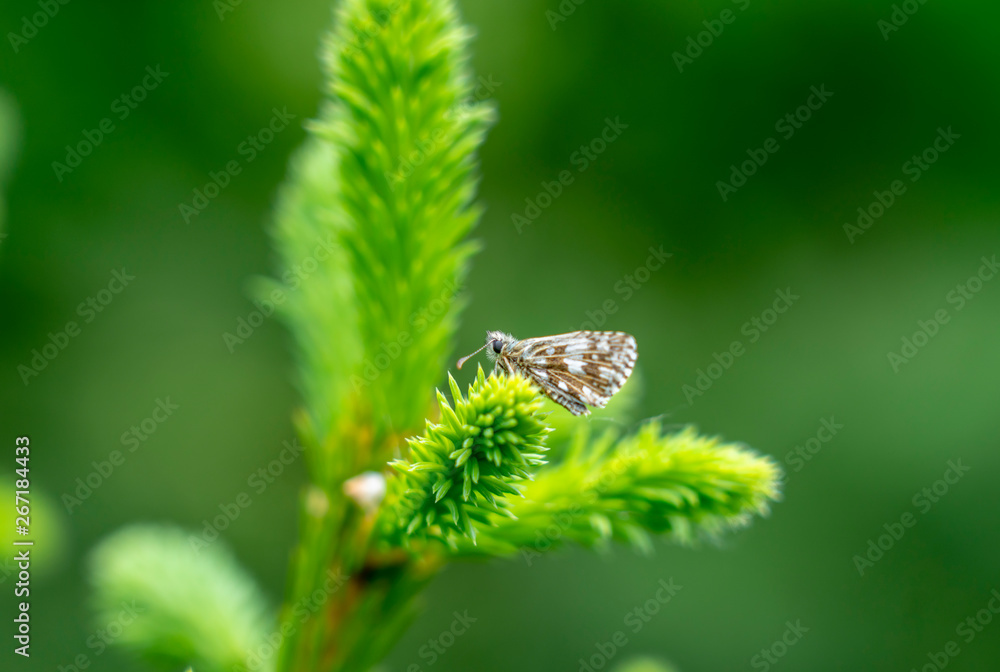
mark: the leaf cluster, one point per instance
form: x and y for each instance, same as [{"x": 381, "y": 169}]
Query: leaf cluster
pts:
[{"x": 462, "y": 470}]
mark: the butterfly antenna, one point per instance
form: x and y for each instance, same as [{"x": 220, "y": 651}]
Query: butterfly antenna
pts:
[{"x": 468, "y": 357}]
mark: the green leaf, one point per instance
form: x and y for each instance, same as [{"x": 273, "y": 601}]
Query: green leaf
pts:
[
  {"x": 375, "y": 210},
  {"x": 682, "y": 485},
  {"x": 182, "y": 605},
  {"x": 478, "y": 478}
]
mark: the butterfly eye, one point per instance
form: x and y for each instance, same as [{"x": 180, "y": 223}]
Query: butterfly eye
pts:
[{"x": 497, "y": 347}]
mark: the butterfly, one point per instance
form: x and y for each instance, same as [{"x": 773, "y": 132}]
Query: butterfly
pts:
[{"x": 575, "y": 370}]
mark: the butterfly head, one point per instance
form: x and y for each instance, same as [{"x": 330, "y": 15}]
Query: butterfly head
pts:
[{"x": 497, "y": 345}]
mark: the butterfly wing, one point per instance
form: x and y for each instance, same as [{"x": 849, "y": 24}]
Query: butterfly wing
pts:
[
  {"x": 578, "y": 368},
  {"x": 565, "y": 389}
]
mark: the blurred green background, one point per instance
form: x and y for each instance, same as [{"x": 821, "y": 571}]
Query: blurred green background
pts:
[{"x": 655, "y": 185}]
